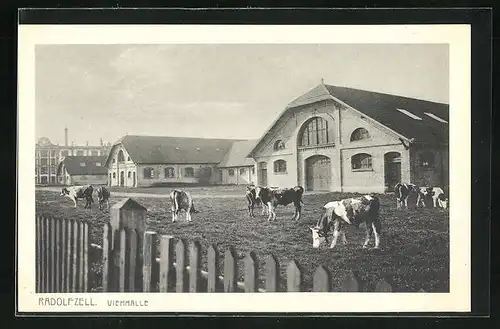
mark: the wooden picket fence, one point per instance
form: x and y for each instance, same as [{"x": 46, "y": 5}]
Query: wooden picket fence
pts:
[
  {"x": 62, "y": 249},
  {"x": 130, "y": 263}
]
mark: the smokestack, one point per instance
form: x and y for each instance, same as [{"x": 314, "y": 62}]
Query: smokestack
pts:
[
  {"x": 65, "y": 136},
  {"x": 101, "y": 141},
  {"x": 87, "y": 143}
]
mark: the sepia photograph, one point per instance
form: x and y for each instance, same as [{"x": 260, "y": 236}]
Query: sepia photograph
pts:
[{"x": 220, "y": 165}]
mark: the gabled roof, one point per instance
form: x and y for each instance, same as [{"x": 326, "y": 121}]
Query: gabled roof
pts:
[
  {"x": 383, "y": 108},
  {"x": 73, "y": 165},
  {"x": 237, "y": 155},
  {"x": 174, "y": 150}
]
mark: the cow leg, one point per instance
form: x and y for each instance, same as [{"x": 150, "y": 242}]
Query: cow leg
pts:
[
  {"x": 369, "y": 231},
  {"x": 188, "y": 214},
  {"x": 263, "y": 208},
  {"x": 269, "y": 211},
  {"x": 298, "y": 208},
  {"x": 344, "y": 239},
  {"x": 434, "y": 201},
  {"x": 406, "y": 203},
  {"x": 336, "y": 233},
  {"x": 376, "y": 230},
  {"x": 173, "y": 214},
  {"x": 74, "y": 200}
]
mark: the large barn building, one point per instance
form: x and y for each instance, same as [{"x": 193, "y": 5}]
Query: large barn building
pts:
[{"x": 349, "y": 140}]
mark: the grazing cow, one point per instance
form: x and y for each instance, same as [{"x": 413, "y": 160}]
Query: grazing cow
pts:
[
  {"x": 182, "y": 200},
  {"x": 252, "y": 200},
  {"x": 102, "y": 196},
  {"x": 272, "y": 197},
  {"x": 437, "y": 195},
  {"x": 79, "y": 192},
  {"x": 403, "y": 191},
  {"x": 351, "y": 211}
]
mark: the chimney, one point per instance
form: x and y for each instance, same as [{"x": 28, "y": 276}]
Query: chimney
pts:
[
  {"x": 101, "y": 141},
  {"x": 66, "y": 136},
  {"x": 87, "y": 143}
]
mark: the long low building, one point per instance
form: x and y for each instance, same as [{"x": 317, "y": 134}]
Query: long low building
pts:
[{"x": 82, "y": 170}]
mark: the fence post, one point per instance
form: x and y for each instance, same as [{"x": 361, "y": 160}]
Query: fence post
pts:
[
  {"x": 69, "y": 253},
  {"x": 132, "y": 261},
  {"x": 107, "y": 259},
  {"x": 166, "y": 263},
  {"x": 294, "y": 277},
  {"x": 272, "y": 274},
  {"x": 86, "y": 249},
  {"x": 213, "y": 269},
  {"x": 251, "y": 272},
  {"x": 46, "y": 254},
  {"x": 230, "y": 270},
  {"x": 321, "y": 279},
  {"x": 38, "y": 254},
  {"x": 195, "y": 267},
  {"x": 58, "y": 264},
  {"x": 64, "y": 251},
  {"x": 74, "y": 286},
  {"x": 126, "y": 215},
  {"x": 149, "y": 277},
  {"x": 81, "y": 255},
  {"x": 52, "y": 271},
  {"x": 181, "y": 277}
]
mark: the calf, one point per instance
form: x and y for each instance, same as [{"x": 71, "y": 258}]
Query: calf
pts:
[
  {"x": 252, "y": 200},
  {"x": 351, "y": 211},
  {"x": 181, "y": 200},
  {"x": 403, "y": 191},
  {"x": 102, "y": 196},
  {"x": 272, "y": 197},
  {"x": 79, "y": 192},
  {"x": 437, "y": 195}
]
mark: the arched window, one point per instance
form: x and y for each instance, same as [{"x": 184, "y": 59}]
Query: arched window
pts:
[
  {"x": 253, "y": 170},
  {"x": 427, "y": 160},
  {"x": 231, "y": 172},
  {"x": 361, "y": 161},
  {"x": 114, "y": 175},
  {"x": 242, "y": 171},
  {"x": 148, "y": 173},
  {"x": 121, "y": 157},
  {"x": 279, "y": 145},
  {"x": 169, "y": 172},
  {"x": 315, "y": 132},
  {"x": 359, "y": 134},
  {"x": 189, "y": 172},
  {"x": 129, "y": 174},
  {"x": 280, "y": 166}
]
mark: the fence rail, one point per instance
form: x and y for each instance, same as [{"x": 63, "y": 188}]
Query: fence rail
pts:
[{"x": 130, "y": 263}]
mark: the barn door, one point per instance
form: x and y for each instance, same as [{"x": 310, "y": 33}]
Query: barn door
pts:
[
  {"x": 392, "y": 165},
  {"x": 122, "y": 178},
  {"x": 263, "y": 173},
  {"x": 318, "y": 173}
]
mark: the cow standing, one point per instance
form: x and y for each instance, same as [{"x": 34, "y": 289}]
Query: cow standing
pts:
[
  {"x": 272, "y": 197},
  {"x": 182, "y": 200},
  {"x": 403, "y": 191},
  {"x": 252, "y": 200},
  {"x": 351, "y": 211},
  {"x": 79, "y": 192},
  {"x": 437, "y": 195},
  {"x": 102, "y": 196}
]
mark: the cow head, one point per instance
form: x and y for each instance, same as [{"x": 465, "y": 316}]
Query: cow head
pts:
[
  {"x": 258, "y": 190},
  {"x": 444, "y": 200},
  {"x": 64, "y": 191},
  {"x": 318, "y": 236}
]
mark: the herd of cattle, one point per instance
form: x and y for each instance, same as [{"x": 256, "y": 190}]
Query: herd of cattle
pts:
[{"x": 336, "y": 214}]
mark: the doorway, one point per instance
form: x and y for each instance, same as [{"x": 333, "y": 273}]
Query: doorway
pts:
[{"x": 392, "y": 169}]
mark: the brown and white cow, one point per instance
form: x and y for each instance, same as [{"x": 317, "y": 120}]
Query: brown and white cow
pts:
[
  {"x": 252, "y": 200},
  {"x": 102, "y": 196},
  {"x": 272, "y": 197},
  {"x": 351, "y": 211},
  {"x": 79, "y": 192},
  {"x": 437, "y": 194},
  {"x": 182, "y": 200},
  {"x": 403, "y": 191}
]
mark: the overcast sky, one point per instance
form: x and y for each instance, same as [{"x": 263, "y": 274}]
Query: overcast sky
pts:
[{"x": 218, "y": 91}]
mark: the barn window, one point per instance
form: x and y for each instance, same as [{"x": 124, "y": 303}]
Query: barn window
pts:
[
  {"x": 82, "y": 164},
  {"x": 114, "y": 175},
  {"x": 98, "y": 164},
  {"x": 279, "y": 145},
  {"x": 94, "y": 152},
  {"x": 253, "y": 170},
  {"x": 427, "y": 160},
  {"x": 121, "y": 157},
  {"x": 189, "y": 172},
  {"x": 80, "y": 153},
  {"x": 114, "y": 160},
  {"x": 361, "y": 161},
  {"x": 242, "y": 171},
  {"x": 359, "y": 134},
  {"x": 315, "y": 132},
  {"x": 129, "y": 174},
  {"x": 128, "y": 158},
  {"x": 231, "y": 172},
  {"x": 148, "y": 173},
  {"x": 280, "y": 166},
  {"x": 169, "y": 172}
]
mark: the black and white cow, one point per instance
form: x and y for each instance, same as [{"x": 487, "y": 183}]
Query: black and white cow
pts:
[
  {"x": 182, "y": 200},
  {"x": 403, "y": 191},
  {"x": 272, "y": 197},
  {"x": 252, "y": 200},
  {"x": 351, "y": 211},
  {"x": 437, "y": 194},
  {"x": 79, "y": 192},
  {"x": 102, "y": 196}
]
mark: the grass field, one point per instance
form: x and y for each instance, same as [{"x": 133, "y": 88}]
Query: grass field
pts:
[{"x": 415, "y": 244}]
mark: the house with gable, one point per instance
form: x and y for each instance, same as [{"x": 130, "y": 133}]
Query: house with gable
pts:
[
  {"x": 82, "y": 170},
  {"x": 350, "y": 140},
  {"x": 236, "y": 168}
]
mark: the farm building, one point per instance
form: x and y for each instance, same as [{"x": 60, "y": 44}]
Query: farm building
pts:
[
  {"x": 139, "y": 161},
  {"x": 349, "y": 140},
  {"x": 81, "y": 170},
  {"x": 236, "y": 167}
]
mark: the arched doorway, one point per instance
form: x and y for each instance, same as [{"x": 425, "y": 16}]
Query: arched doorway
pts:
[
  {"x": 122, "y": 178},
  {"x": 133, "y": 181},
  {"x": 318, "y": 173},
  {"x": 392, "y": 169},
  {"x": 263, "y": 173}
]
